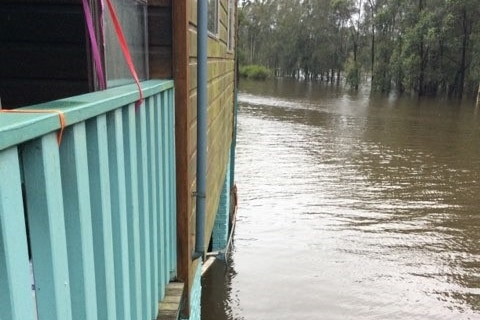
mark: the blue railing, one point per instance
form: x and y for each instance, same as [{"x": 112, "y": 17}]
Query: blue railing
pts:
[{"x": 89, "y": 223}]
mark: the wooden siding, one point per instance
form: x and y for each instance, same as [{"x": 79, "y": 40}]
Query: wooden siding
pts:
[
  {"x": 220, "y": 125},
  {"x": 220, "y": 113},
  {"x": 39, "y": 57},
  {"x": 220, "y": 109}
]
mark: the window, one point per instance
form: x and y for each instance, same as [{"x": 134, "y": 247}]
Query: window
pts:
[
  {"x": 231, "y": 25},
  {"x": 133, "y": 18},
  {"x": 213, "y": 17}
]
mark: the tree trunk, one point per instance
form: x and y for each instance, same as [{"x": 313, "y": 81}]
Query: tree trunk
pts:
[
  {"x": 478, "y": 96},
  {"x": 463, "y": 62},
  {"x": 423, "y": 62},
  {"x": 372, "y": 52}
]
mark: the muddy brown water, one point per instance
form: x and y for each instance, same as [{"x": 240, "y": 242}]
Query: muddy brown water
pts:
[{"x": 351, "y": 207}]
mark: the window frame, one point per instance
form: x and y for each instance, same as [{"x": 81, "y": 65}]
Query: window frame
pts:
[
  {"x": 213, "y": 33},
  {"x": 231, "y": 26}
]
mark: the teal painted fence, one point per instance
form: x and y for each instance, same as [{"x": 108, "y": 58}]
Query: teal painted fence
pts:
[{"x": 97, "y": 212}]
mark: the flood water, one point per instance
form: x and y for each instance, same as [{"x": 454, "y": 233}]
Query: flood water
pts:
[{"x": 351, "y": 207}]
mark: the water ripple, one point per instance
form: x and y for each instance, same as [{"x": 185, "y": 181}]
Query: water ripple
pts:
[{"x": 347, "y": 213}]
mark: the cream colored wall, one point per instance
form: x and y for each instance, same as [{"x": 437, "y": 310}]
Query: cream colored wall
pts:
[{"x": 221, "y": 78}]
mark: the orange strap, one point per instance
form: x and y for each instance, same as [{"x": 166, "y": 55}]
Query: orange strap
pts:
[{"x": 61, "y": 117}]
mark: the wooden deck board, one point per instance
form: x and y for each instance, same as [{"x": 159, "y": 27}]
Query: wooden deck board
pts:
[{"x": 169, "y": 307}]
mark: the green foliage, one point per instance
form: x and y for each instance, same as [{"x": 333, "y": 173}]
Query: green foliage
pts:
[
  {"x": 421, "y": 47},
  {"x": 352, "y": 70},
  {"x": 255, "y": 72}
]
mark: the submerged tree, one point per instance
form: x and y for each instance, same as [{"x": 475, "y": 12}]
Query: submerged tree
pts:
[{"x": 420, "y": 47}]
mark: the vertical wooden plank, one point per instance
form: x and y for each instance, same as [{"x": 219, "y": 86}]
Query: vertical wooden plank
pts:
[
  {"x": 78, "y": 222},
  {"x": 47, "y": 227},
  {"x": 15, "y": 289},
  {"x": 152, "y": 181},
  {"x": 98, "y": 165},
  {"x": 133, "y": 221},
  {"x": 118, "y": 194},
  {"x": 181, "y": 50},
  {"x": 166, "y": 183},
  {"x": 144, "y": 209},
  {"x": 161, "y": 205},
  {"x": 173, "y": 188}
]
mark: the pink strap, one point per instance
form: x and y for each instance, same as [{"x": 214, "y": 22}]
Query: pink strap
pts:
[
  {"x": 125, "y": 50},
  {"x": 94, "y": 44}
]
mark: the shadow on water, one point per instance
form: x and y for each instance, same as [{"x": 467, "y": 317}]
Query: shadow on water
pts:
[{"x": 217, "y": 281}]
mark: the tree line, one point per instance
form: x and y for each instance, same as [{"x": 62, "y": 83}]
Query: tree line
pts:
[{"x": 420, "y": 47}]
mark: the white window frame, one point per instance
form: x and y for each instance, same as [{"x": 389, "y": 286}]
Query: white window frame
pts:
[{"x": 216, "y": 22}]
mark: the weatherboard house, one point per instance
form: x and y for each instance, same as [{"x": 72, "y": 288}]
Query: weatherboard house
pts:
[{"x": 117, "y": 148}]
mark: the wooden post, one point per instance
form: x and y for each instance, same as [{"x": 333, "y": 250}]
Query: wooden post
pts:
[
  {"x": 43, "y": 187},
  {"x": 14, "y": 272}
]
